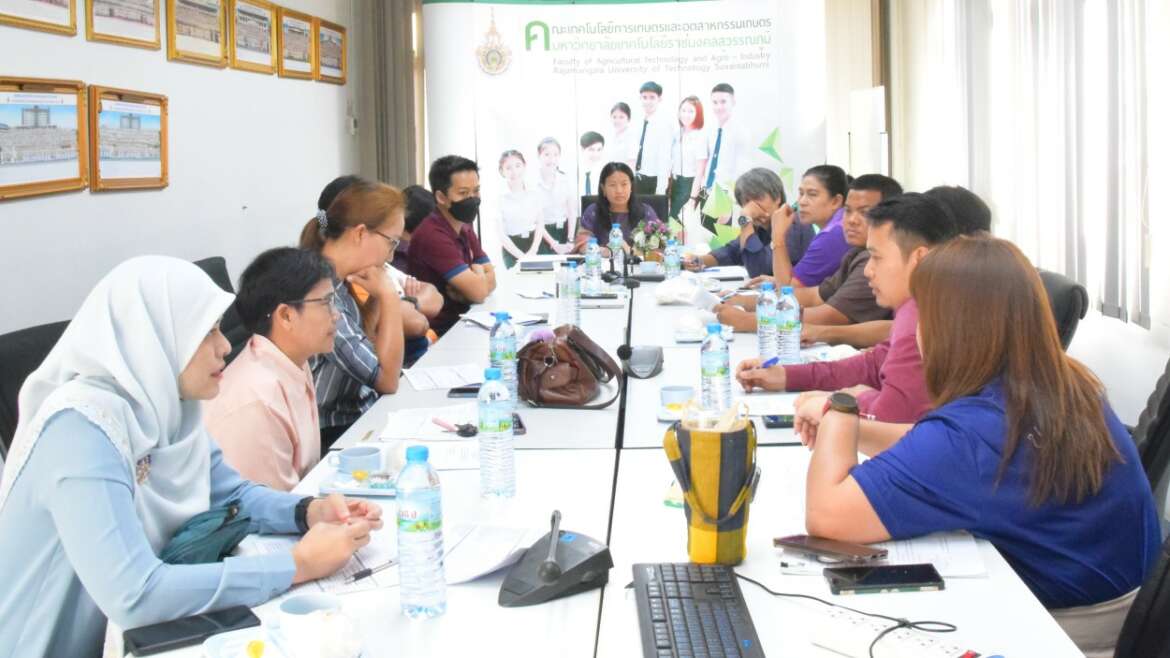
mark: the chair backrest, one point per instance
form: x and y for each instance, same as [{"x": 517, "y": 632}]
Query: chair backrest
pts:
[
  {"x": 1144, "y": 634},
  {"x": 21, "y": 352},
  {"x": 656, "y": 201},
  {"x": 230, "y": 326},
  {"x": 1152, "y": 433},
  {"x": 1069, "y": 301}
]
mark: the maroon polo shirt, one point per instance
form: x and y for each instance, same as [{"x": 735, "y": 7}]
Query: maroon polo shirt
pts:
[{"x": 437, "y": 255}]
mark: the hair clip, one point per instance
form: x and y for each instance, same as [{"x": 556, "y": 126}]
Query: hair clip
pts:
[{"x": 322, "y": 219}]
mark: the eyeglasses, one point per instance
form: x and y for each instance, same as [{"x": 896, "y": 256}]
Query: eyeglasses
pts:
[
  {"x": 394, "y": 242},
  {"x": 329, "y": 300}
]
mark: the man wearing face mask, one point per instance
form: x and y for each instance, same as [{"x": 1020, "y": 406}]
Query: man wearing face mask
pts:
[{"x": 444, "y": 249}]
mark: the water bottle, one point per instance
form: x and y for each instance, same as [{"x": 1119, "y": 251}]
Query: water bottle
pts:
[
  {"x": 502, "y": 352},
  {"x": 423, "y": 588},
  {"x": 671, "y": 259},
  {"x": 569, "y": 301},
  {"x": 592, "y": 267},
  {"x": 497, "y": 465},
  {"x": 716, "y": 370},
  {"x": 788, "y": 327},
  {"x": 766, "y": 307},
  {"x": 616, "y": 241}
]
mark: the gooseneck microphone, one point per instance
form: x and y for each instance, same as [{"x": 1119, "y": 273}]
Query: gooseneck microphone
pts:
[{"x": 549, "y": 570}]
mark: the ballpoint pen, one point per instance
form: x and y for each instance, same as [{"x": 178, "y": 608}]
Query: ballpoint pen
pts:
[
  {"x": 369, "y": 571},
  {"x": 770, "y": 362}
]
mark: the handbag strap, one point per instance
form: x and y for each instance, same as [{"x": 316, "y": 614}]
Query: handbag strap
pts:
[{"x": 745, "y": 493}]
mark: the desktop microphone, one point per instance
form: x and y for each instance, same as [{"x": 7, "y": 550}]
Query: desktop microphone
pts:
[
  {"x": 549, "y": 570},
  {"x": 624, "y": 352}
]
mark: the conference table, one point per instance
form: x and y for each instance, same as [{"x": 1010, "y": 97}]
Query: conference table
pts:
[{"x": 605, "y": 471}]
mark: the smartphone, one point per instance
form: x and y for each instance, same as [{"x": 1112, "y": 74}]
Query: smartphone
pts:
[
  {"x": 518, "y": 428},
  {"x": 831, "y": 548},
  {"x": 778, "y": 422},
  {"x": 464, "y": 391},
  {"x": 188, "y": 631},
  {"x": 600, "y": 295},
  {"x": 884, "y": 578}
]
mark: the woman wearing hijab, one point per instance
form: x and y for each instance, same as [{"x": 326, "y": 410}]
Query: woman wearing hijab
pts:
[{"x": 110, "y": 458}]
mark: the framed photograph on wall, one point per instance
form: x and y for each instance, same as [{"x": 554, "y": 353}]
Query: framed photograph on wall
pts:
[
  {"x": 294, "y": 44},
  {"x": 42, "y": 137},
  {"x": 253, "y": 42},
  {"x": 127, "y": 139},
  {"x": 125, "y": 22},
  {"x": 330, "y": 63},
  {"x": 196, "y": 31},
  {"x": 58, "y": 16}
]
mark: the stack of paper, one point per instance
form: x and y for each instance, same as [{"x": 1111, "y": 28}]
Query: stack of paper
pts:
[
  {"x": 444, "y": 377},
  {"x": 486, "y": 320},
  {"x": 419, "y": 423}
]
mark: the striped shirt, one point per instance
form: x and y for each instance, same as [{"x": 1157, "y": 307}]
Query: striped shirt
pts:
[{"x": 345, "y": 377}]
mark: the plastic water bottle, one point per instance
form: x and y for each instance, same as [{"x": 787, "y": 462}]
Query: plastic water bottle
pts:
[
  {"x": 616, "y": 241},
  {"x": 716, "y": 370},
  {"x": 788, "y": 327},
  {"x": 423, "y": 588},
  {"x": 497, "y": 464},
  {"x": 592, "y": 267},
  {"x": 672, "y": 259},
  {"x": 502, "y": 348},
  {"x": 569, "y": 301},
  {"x": 766, "y": 306}
]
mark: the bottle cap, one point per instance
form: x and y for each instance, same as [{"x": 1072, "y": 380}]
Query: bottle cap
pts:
[
  {"x": 617, "y": 225},
  {"x": 502, "y": 316},
  {"x": 714, "y": 328},
  {"x": 491, "y": 374},
  {"x": 417, "y": 454},
  {"x": 572, "y": 265},
  {"x": 767, "y": 285},
  {"x": 786, "y": 290}
]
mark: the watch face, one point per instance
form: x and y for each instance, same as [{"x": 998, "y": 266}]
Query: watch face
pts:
[
  {"x": 744, "y": 221},
  {"x": 843, "y": 402}
]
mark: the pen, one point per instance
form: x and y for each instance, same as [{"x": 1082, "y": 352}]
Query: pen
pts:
[
  {"x": 369, "y": 571},
  {"x": 770, "y": 362}
]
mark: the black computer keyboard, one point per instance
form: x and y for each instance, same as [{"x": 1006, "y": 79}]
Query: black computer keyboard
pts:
[{"x": 693, "y": 611}]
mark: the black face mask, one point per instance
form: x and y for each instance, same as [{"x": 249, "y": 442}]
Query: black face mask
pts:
[{"x": 466, "y": 209}]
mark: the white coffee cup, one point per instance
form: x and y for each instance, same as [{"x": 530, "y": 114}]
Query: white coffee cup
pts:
[{"x": 313, "y": 626}]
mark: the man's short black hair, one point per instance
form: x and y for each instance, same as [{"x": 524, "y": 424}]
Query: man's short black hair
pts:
[
  {"x": 971, "y": 214},
  {"x": 590, "y": 138},
  {"x": 917, "y": 220},
  {"x": 419, "y": 203},
  {"x": 884, "y": 185},
  {"x": 443, "y": 169},
  {"x": 723, "y": 87},
  {"x": 652, "y": 87},
  {"x": 278, "y": 276}
]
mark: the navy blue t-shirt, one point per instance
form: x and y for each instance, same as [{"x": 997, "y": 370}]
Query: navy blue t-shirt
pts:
[{"x": 941, "y": 476}]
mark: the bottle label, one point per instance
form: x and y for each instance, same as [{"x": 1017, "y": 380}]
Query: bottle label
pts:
[
  {"x": 501, "y": 351},
  {"x": 420, "y": 512},
  {"x": 491, "y": 423},
  {"x": 715, "y": 364}
]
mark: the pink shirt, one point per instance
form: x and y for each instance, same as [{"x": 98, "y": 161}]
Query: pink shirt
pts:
[
  {"x": 893, "y": 367},
  {"x": 265, "y": 416}
]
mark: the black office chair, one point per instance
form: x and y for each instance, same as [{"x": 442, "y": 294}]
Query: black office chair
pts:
[
  {"x": 1069, "y": 302},
  {"x": 656, "y": 201},
  {"x": 21, "y": 352},
  {"x": 216, "y": 268},
  {"x": 1144, "y": 634},
  {"x": 1152, "y": 433},
  {"x": 230, "y": 326}
]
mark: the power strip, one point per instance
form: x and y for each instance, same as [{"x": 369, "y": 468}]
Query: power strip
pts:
[{"x": 850, "y": 634}]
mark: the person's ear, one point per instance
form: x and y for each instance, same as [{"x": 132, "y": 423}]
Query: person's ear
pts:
[
  {"x": 918, "y": 254},
  {"x": 283, "y": 315}
]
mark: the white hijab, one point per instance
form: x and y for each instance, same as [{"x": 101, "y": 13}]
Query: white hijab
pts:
[{"x": 118, "y": 364}]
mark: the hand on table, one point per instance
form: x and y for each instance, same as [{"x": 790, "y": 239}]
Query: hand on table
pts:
[
  {"x": 338, "y": 509},
  {"x": 751, "y": 376},
  {"x": 809, "y": 409}
]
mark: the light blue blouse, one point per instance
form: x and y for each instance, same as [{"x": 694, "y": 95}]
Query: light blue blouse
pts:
[{"x": 73, "y": 551}]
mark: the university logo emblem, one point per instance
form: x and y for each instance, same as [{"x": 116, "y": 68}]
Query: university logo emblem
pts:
[{"x": 494, "y": 57}]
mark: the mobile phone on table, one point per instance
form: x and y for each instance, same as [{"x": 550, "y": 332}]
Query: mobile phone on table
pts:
[
  {"x": 831, "y": 548},
  {"x": 188, "y": 631},
  {"x": 881, "y": 578},
  {"x": 776, "y": 421},
  {"x": 518, "y": 428},
  {"x": 464, "y": 391}
]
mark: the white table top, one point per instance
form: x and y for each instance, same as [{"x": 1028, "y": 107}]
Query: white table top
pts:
[{"x": 995, "y": 614}]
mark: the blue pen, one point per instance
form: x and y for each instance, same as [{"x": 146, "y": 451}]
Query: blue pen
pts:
[{"x": 770, "y": 362}]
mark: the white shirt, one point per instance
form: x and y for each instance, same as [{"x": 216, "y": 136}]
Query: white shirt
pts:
[
  {"x": 730, "y": 147},
  {"x": 521, "y": 211},
  {"x": 556, "y": 198},
  {"x": 655, "y": 147},
  {"x": 685, "y": 156},
  {"x": 623, "y": 147}
]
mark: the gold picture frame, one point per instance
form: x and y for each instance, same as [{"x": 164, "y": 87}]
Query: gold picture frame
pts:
[
  {"x": 323, "y": 45},
  {"x": 133, "y": 154},
  {"x": 298, "y": 41},
  {"x": 35, "y": 160},
  {"x": 191, "y": 45},
  {"x": 31, "y": 21},
  {"x": 248, "y": 58},
  {"x": 104, "y": 18}
]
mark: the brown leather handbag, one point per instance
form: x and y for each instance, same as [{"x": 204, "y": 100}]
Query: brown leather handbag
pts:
[{"x": 566, "y": 372}]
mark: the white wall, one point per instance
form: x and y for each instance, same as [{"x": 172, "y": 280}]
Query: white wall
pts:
[{"x": 249, "y": 154}]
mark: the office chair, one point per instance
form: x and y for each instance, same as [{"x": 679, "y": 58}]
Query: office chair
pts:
[
  {"x": 1144, "y": 634},
  {"x": 21, "y": 352},
  {"x": 216, "y": 268},
  {"x": 1068, "y": 300},
  {"x": 656, "y": 201},
  {"x": 1152, "y": 433},
  {"x": 230, "y": 326}
]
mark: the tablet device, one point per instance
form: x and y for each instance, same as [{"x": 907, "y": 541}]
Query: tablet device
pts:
[{"x": 830, "y": 548}]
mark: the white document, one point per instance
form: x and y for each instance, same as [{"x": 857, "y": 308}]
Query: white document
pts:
[
  {"x": 444, "y": 377},
  {"x": 474, "y": 551},
  {"x": 769, "y": 404},
  {"x": 418, "y": 424},
  {"x": 822, "y": 352},
  {"x": 382, "y": 548},
  {"x": 486, "y": 320},
  {"x": 445, "y": 455}
]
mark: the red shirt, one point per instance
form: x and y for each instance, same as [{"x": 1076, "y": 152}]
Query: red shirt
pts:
[
  {"x": 437, "y": 255},
  {"x": 893, "y": 367}
]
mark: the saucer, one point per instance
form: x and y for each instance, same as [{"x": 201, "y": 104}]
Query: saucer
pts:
[
  {"x": 234, "y": 644},
  {"x": 341, "y": 483}
]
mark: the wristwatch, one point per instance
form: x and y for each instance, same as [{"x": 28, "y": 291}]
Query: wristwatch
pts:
[
  {"x": 301, "y": 513},
  {"x": 744, "y": 220},
  {"x": 843, "y": 402}
]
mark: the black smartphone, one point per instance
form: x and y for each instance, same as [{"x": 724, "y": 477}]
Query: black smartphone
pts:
[
  {"x": 188, "y": 631},
  {"x": 776, "y": 422},
  {"x": 831, "y": 548},
  {"x": 518, "y": 428},
  {"x": 464, "y": 391},
  {"x": 884, "y": 578},
  {"x": 600, "y": 295}
]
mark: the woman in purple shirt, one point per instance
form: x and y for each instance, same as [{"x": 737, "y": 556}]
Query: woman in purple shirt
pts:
[
  {"x": 822, "y": 203},
  {"x": 617, "y": 203}
]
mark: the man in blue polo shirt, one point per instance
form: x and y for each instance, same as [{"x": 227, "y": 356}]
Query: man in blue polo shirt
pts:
[{"x": 444, "y": 250}]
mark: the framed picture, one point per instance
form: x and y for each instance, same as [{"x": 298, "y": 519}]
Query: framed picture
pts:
[
  {"x": 196, "y": 31},
  {"x": 127, "y": 139},
  {"x": 126, "y": 22},
  {"x": 253, "y": 44},
  {"x": 330, "y": 63},
  {"x": 294, "y": 41},
  {"x": 42, "y": 137},
  {"x": 58, "y": 16}
]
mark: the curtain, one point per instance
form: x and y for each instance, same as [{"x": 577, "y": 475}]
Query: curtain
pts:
[{"x": 389, "y": 63}]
